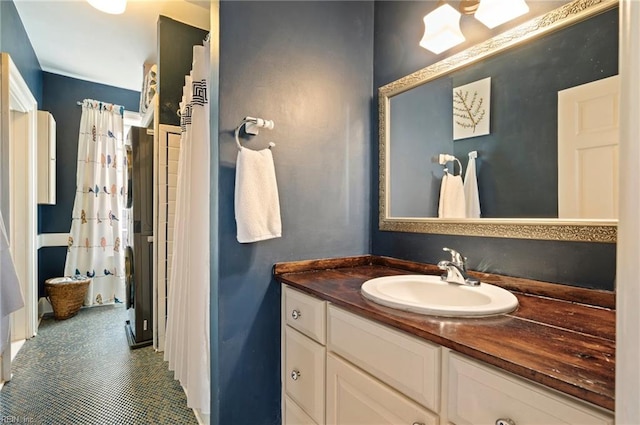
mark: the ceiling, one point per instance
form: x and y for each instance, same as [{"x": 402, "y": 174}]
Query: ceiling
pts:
[{"x": 72, "y": 38}]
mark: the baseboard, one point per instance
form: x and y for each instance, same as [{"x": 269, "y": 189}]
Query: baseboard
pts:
[
  {"x": 203, "y": 418},
  {"x": 44, "y": 307}
]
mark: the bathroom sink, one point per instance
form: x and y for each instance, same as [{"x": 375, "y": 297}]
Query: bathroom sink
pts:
[{"x": 427, "y": 294}]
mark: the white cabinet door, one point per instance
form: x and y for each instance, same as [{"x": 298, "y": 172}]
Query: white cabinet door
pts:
[
  {"x": 406, "y": 363},
  {"x": 481, "y": 395},
  {"x": 303, "y": 374},
  {"x": 294, "y": 415},
  {"x": 46, "y": 158},
  {"x": 355, "y": 398}
]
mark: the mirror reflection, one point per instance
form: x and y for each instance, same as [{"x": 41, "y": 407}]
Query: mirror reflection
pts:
[{"x": 552, "y": 143}]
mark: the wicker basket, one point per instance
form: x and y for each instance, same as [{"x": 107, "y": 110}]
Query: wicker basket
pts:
[{"x": 66, "y": 295}]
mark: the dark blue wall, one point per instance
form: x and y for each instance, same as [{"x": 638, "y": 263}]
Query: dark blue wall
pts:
[
  {"x": 14, "y": 40},
  {"x": 398, "y": 28},
  {"x": 175, "y": 53},
  {"x": 60, "y": 97},
  {"x": 307, "y": 66}
]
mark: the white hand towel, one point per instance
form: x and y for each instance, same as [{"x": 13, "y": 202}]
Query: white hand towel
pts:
[
  {"x": 471, "y": 195},
  {"x": 257, "y": 206},
  {"x": 10, "y": 292},
  {"x": 451, "y": 203}
]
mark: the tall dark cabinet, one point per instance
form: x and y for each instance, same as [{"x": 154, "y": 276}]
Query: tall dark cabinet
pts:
[{"x": 140, "y": 266}]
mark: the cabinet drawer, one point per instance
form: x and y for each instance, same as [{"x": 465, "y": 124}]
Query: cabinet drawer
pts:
[
  {"x": 405, "y": 363},
  {"x": 294, "y": 415},
  {"x": 305, "y": 313},
  {"x": 303, "y": 374},
  {"x": 353, "y": 397},
  {"x": 479, "y": 395}
]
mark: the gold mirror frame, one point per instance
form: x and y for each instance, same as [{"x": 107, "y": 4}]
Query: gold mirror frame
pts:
[{"x": 547, "y": 229}]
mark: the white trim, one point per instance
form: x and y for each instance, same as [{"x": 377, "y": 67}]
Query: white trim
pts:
[
  {"x": 628, "y": 267},
  {"x": 44, "y": 306},
  {"x": 161, "y": 256},
  {"x": 46, "y": 240},
  {"x": 202, "y": 418},
  {"x": 22, "y": 198},
  {"x": 130, "y": 119}
]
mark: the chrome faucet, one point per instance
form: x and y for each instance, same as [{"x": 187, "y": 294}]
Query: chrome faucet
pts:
[{"x": 456, "y": 269}]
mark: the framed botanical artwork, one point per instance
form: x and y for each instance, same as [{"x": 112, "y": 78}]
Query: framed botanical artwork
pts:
[{"x": 471, "y": 109}]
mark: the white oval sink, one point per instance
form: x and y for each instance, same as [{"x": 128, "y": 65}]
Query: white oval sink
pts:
[{"x": 428, "y": 294}]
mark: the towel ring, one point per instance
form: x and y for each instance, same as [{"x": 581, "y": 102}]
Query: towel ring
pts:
[
  {"x": 251, "y": 127},
  {"x": 444, "y": 158}
]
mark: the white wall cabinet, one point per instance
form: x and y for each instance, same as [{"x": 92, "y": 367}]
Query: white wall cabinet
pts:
[
  {"x": 46, "y": 158},
  {"x": 369, "y": 373}
]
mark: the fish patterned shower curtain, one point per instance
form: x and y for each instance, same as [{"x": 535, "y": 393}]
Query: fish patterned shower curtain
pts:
[
  {"x": 187, "y": 336},
  {"x": 95, "y": 246}
]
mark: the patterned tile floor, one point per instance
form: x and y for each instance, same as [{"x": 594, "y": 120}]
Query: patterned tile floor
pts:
[{"x": 81, "y": 371}]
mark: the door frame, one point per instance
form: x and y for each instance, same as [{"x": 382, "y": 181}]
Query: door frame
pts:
[
  {"x": 19, "y": 144},
  {"x": 628, "y": 244},
  {"x": 161, "y": 232}
]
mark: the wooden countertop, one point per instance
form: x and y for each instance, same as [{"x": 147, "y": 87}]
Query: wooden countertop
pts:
[{"x": 560, "y": 343}]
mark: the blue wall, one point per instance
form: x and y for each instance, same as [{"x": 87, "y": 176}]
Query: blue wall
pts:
[
  {"x": 14, "y": 40},
  {"x": 307, "y": 66},
  {"x": 398, "y": 27},
  {"x": 60, "y": 97},
  {"x": 175, "y": 54}
]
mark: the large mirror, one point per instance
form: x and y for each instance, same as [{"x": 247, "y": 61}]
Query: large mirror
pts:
[{"x": 533, "y": 179}]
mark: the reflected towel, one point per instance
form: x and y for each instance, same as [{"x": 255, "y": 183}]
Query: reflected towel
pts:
[
  {"x": 10, "y": 292},
  {"x": 257, "y": 206},
  {"x": 452, "y": 203},
  {"x": 471, "y": 196}
]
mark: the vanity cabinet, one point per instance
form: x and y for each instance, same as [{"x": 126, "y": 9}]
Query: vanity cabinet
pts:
[
  {"x": 304, "y": 357},
  {"x": 339, "y": 368}
]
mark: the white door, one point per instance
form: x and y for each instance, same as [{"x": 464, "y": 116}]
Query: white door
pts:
[
  {"x": 588, "y": 135},
  {"x": 168, "y": 152}
]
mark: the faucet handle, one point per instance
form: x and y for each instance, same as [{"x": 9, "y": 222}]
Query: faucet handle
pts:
[{"x": 456, "y": 257}]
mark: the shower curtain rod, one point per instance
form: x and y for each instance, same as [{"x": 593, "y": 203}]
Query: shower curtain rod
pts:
[{"x": 79, "y": 103}]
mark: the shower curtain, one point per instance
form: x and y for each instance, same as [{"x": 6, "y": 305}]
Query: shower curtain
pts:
[
  {"x": 95, "y": 241},
  {"x": 187, "y": 335}
]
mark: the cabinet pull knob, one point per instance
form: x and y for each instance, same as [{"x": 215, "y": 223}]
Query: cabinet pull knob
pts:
[
  {"x": 505, "y": 421},
  {"x": 296, "y": 314},
  {"x": 418, "y": 423},
  {"x": 295, "y": 374}
]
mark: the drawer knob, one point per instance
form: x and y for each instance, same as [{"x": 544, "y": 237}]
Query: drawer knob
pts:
[
  {"x": 295, "y": 374},
  {"x": 296, "y": 314},
  {"x": 418, "y": 423},
  {"x": 505, "y": 421}
]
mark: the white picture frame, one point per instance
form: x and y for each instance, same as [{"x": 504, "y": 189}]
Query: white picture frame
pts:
[{"x": 472, "y": 109}]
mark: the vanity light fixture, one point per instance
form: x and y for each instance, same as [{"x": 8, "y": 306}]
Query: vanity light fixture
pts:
[
  {"x": 114, "y": 7},
  {"x": 442, "y": 29},
  {"x": 496, "y": 12},
  {"x": 442, "y": 25}
]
